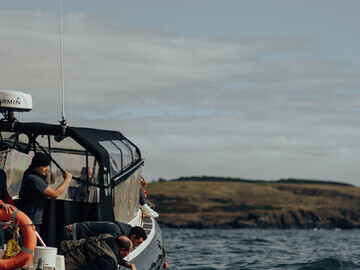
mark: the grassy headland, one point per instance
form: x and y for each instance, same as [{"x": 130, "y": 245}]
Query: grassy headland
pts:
[{"x": 228, "y": 203}]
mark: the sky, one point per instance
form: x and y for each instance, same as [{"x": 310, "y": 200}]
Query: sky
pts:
[{"x": 247, "y": 89}]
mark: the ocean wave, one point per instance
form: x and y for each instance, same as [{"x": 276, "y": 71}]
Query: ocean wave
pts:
[
  {"x": 254, "y": 241},
  {"x": 331, "y": 263},
  {"x": 262, "y": 249}
]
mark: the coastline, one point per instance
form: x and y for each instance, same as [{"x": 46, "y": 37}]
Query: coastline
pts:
[{"x": 263, "y": 205}]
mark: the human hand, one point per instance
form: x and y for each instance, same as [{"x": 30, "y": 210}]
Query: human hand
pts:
[
  {"x": 8, "y": 207},
  {"x": 130, "y": 265},
  {"x": 67, "y": 175},
  {"x": 143, "y": 182}
]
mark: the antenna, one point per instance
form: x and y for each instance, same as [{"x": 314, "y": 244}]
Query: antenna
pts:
[{"x": 63, "y": 121}]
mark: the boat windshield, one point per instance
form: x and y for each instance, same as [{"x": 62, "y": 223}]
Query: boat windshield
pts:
[
  {"x": 122, "y": 154},
  {"x": 70, "y": 155}
]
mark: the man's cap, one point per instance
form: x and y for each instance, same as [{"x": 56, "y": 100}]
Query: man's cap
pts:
[{"x": 40, "y": 159}]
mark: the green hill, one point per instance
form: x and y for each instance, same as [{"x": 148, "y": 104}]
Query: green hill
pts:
[{"x": 258, "y": 204}]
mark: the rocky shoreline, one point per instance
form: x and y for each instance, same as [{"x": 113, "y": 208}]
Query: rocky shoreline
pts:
[
  {"x": 224, "y": 204},
  {"x": 299, "y": 219}
]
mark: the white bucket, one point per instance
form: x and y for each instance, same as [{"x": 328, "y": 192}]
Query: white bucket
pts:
[
  {"x": 46, "y": 253},
  {"x": 60, "y": 262}
]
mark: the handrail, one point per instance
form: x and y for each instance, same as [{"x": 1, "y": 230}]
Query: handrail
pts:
[{"x": 118, "y": 179}]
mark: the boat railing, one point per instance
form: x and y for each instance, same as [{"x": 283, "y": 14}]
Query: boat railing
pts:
[{"x": 149, "y": 227}]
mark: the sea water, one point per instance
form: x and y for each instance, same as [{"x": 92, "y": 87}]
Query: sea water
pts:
[{"x": 262, "y": 249}]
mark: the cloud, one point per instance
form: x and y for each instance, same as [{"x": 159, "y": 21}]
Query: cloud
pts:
[{"x": 264, "y": 108}]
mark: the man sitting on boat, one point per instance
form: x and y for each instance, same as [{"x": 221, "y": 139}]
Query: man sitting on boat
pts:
[
  {"x": 93, "y": 228},
  {"x": 102, "y": 252}
]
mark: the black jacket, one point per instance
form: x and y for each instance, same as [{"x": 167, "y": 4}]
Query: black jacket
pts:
[{"x": 92, "y": 228}]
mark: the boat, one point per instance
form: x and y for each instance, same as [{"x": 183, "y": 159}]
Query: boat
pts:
[{"x": 107, "y": 190}]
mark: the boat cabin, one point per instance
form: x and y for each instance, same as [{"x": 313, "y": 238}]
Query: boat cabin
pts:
[{"x": 106, "y": 169}]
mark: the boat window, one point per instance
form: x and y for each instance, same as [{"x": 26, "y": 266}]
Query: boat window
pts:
[
  {"x": 126, "y": 196},
  {"x": 11, "y": 137},
  {"x": 127, "y": 153},
  {"x": 135, "y": 154},
  {"x": 115, "y": 156},
  {"x": 14, "y": 140},
  {"x": 60, "y": 144},
  {"x": 72, "y": 157},
  {"x": 88, "y": 174},
  {"x": 121, "y": 153},
  {"x": 14, "y": 163}
]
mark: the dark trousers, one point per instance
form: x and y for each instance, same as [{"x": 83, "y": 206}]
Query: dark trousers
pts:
[
  {"x": 37, "y": 228},
  {"x": 142, "y": 197}
]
